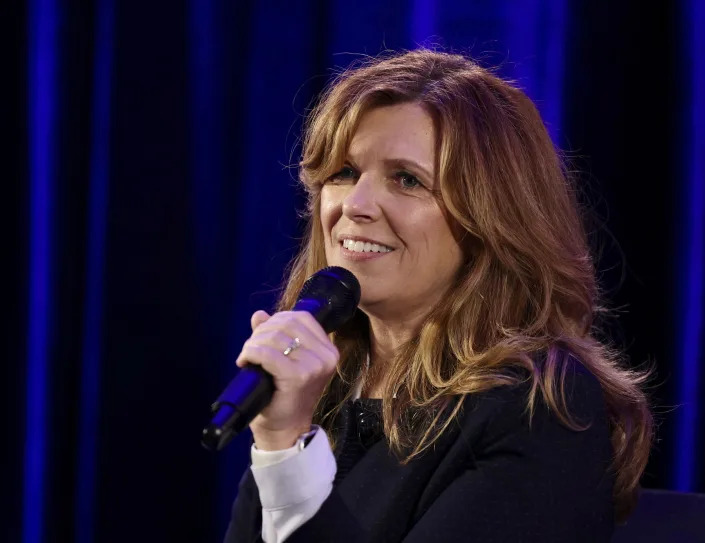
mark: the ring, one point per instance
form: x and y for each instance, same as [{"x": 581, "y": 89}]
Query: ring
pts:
[{"x": 295, "y": 344}]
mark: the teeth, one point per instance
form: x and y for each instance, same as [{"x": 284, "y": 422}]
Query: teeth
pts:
[{"x": 364, "y": 246}]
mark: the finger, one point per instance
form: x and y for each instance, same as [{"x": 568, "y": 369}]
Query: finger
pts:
[
  {"x": 309, "y": 348},
  {"x": 310, "y": 323},
  {"x": 258, "y": 317},
  {"x": 273, "y": 338},
  {"x": 284, "y": 368},
  {"x": 270, "y": 358},
  {"x": 302, "y": 324},
  {"x": 283, "y": 338}
]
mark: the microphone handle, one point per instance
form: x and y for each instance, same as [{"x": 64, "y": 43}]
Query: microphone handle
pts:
[{"x": 246, "y": 395}]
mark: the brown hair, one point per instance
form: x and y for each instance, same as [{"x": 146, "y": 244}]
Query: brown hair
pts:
[{"x": 528, "y": 284}]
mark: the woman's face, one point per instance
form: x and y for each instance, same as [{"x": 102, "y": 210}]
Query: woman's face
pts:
[{"x": 380, "y": 217}]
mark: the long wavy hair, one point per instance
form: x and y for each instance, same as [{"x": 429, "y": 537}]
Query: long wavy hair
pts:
[{"x": 528, "y": 284}]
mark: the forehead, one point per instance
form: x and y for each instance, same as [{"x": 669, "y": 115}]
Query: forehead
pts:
[{"x": 403, "y": 131}]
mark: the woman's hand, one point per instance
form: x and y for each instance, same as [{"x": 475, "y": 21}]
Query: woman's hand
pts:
[{"x": 299, "y": 377}]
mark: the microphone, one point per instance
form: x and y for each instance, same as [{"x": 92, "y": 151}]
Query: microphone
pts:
[{"x": 331, "y": 295}]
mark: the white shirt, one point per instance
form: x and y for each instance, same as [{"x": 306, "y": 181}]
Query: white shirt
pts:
[{"x": 294, "y": 484}]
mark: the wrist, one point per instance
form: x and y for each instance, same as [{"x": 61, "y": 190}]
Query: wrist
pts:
[{"x": 277, "y": 440}]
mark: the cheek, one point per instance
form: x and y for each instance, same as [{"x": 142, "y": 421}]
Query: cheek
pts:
[
  {"x": 329, "y": 214},
  {"x": 419, "y": 226},
  {"x": 435, "y": 242},
  {"x": 330, "y": 208}
]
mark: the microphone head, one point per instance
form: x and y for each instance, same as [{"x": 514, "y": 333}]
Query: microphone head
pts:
[{"x": 339, "y": 291}]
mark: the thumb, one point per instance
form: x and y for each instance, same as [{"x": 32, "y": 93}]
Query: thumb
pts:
[{"x": 258, "y": 317}]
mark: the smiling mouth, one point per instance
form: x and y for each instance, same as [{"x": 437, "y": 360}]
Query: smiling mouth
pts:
[{"x": 357, "y": 246}]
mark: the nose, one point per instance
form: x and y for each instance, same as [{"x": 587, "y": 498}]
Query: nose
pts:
[{"x": 361, "y": 202}]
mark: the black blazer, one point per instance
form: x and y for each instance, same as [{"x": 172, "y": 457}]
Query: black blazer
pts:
[{"x": 494, "y": 478}]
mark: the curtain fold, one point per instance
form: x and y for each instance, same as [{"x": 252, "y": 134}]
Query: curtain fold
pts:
[{"x": 153, "y": 207}]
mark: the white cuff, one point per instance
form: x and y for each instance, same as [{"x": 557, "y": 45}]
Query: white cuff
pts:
[
  {"x": 261, "y": 459},
  {"x": 296, "y": 477},
  {"x": 292, "y": 485}
]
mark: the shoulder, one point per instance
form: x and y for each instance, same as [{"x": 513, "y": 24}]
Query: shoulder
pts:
[
  {"x": 506, "y": 459},
  {"x": 505, "y": 410},
  {"x": 581, "y": 388}
]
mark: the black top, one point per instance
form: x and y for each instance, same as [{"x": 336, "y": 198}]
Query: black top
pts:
[
  {"x": 491, "y": 478},
  {"x": 361, "y": 425}
]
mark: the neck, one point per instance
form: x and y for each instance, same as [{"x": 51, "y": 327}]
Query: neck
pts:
[
  {"x": 386, "y": 336},
  {"x": 385, "y": 340}
]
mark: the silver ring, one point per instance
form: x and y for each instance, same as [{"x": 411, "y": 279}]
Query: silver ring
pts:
[{"x": 295, "y": 344}]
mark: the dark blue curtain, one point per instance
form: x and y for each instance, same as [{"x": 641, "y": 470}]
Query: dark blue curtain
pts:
[{"x": 151, "y": 207}]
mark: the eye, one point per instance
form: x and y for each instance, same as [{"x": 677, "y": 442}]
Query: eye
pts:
[
  {"x": 345, "y": 173},
  {"x": 407, "y": 181}
]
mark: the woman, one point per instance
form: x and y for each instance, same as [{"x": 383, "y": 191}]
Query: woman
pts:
[{"x": 469, "y": 398}]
